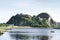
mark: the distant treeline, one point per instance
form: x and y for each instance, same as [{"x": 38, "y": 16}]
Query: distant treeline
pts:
[
  {"x": 3, "y": 25},
  {"x": 28, "y": 20}
]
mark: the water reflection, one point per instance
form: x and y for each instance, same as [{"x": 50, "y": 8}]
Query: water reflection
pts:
[
  {"x": 27, "y": 37},
  {"x": 26, "y": 34},
  {"x": 21, "y": 37}
]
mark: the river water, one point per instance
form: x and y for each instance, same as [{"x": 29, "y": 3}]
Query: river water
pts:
[{"x": 31, "y": 34}]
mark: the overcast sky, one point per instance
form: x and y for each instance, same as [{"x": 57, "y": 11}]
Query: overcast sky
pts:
[{"x": 8, "y": 8}]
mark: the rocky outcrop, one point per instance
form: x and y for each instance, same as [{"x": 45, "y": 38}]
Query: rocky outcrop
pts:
[
  {"x": 47, "y": 17},
  {"x": 43, "y": 16}
]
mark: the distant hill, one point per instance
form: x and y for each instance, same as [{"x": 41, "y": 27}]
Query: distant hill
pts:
[
  {"x": 58, "y": 25},
  {"x": 41, "y": 20}
]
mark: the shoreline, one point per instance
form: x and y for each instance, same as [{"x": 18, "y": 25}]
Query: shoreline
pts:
[{"x": 5, "y": 29}]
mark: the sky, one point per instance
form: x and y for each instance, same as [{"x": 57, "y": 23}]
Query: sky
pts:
[{"x": 8, "y": 8}]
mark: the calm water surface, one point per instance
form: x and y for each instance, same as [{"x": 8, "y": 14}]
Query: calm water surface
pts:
[{"x": 31, "y": 34}]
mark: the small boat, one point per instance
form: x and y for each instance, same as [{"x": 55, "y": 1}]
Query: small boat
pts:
[{"x": 52, "y": 31}]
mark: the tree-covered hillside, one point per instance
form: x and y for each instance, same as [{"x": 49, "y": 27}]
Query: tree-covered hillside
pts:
[{"x": 28, "y": 20}]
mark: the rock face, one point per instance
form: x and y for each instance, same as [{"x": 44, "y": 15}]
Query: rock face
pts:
[
  {"x": 47, "y": 17},
  {"x": 43, "y": 16}
]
